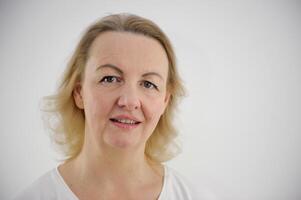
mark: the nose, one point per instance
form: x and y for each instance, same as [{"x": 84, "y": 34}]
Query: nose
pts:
[{"x": 129, "y": 98}]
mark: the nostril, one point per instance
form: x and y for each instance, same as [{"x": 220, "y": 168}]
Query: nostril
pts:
[{"x": 129, "y": 102}]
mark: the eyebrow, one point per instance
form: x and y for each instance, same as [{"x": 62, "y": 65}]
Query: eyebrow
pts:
[
  {"x": 153, "y": 73},
  {"x": 119, "y": 71}
]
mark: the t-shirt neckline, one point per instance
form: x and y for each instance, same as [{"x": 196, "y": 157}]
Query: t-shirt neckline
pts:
[{"x": 71, "y": 193}]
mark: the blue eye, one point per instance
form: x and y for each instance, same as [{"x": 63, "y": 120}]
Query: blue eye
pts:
[
  {"x": 110, "y": 79},
  {"x": 149, "y": 85}
]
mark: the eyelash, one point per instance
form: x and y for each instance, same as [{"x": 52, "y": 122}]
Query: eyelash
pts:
[
  {"x": 152, "y": 85},
  {"x": 105, "y": 79},
  {"x": 118, "y": 79}
]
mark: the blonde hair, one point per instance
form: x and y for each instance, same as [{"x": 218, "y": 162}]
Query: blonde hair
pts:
[{"x": 66, "y": 121}]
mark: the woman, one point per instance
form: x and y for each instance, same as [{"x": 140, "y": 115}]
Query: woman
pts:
[{"x": 114, "y": 109}]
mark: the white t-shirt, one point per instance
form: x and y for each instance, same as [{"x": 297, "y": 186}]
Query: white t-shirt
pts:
[{"x": 51, "y": 186}]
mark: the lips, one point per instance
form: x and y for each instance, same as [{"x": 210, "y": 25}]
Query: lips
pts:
[{"x": 124, "y": 121}]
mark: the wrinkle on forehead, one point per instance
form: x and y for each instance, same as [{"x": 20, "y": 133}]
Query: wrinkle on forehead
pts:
[{"x": 129, "y": 50}]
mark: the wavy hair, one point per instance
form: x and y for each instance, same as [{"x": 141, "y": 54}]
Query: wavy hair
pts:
[{"x": 67, "y": 122}]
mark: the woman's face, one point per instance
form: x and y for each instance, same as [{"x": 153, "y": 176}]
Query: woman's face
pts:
[{"x": 123, "y": 93}]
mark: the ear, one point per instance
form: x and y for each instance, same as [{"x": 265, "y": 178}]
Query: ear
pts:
[
  {"x": 166, "y": 100},
  {"x": 77, "y": 95},
  {"x": 167, "y": 97}
]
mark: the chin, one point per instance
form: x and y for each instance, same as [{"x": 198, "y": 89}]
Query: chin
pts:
[{"x": 121, "y": 143}]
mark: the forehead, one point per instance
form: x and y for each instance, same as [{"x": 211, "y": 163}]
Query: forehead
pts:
[{"x": 128, "y": 51}]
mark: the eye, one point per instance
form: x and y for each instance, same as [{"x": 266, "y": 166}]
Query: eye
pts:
[
  {"x": 149, "y": 85},
  {"x": 110, "y": 79}
]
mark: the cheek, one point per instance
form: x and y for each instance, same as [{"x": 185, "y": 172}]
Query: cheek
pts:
[
  {"x": 97, "y": 108},
  {"x": 154, "y": 109}
]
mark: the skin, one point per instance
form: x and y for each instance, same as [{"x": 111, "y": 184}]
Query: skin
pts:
[{"x": 126, "y": 74}]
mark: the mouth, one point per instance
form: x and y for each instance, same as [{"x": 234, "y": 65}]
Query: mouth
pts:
[{"x": 125, "y": 123}]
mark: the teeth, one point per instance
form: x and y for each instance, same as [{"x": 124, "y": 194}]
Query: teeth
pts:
[{"x": 126, "y": 121}]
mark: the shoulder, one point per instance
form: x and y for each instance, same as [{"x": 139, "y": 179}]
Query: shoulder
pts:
[
  {"x": 178, "y": 187},
  {"x": 48, "y": 186},
  {"x": 37, "y": 188}
]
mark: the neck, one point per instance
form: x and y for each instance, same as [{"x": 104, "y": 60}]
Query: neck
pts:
[{"x": 114, "y": 166}]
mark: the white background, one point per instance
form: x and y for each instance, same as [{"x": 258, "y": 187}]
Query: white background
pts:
[{"x": 240, "y": 124}]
